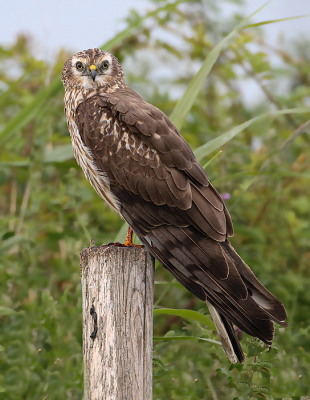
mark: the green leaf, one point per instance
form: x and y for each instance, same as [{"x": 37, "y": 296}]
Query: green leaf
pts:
[
  {"x": 272, "y": 21},
  {"x": 7, "y": 235},
  {"x": 24, "y": 163},
  {"x": 171, "y": 338},
  {"x": 187, "y": 314},
  {"x": 185, "y": 103},
  {"x": 59, "y": 154},
  {"x": 7, "y": 311},
  {"x": 11, "y": 241},
  {"x": 157, "y": 363},
  {"x": 216, "y": 143}
]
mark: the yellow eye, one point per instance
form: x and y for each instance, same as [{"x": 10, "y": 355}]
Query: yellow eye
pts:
[
  {"x": 105, "y": 64},
  {"x": 79, "y": 65}
]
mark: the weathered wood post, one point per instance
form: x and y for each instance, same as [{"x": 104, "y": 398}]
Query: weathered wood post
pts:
[{"x": 117, "y": 290}]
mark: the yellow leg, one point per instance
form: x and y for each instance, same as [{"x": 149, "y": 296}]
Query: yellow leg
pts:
[{"x": 128, "y": 241}]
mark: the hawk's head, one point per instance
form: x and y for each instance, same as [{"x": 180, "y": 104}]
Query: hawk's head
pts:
[{"x": 92, "y": 68}]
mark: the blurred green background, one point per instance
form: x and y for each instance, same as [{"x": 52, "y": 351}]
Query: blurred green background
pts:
[{"x": 49, "y": 212}]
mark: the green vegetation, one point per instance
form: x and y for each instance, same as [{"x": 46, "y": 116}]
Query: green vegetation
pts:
[{"x": 50, "y": 212}]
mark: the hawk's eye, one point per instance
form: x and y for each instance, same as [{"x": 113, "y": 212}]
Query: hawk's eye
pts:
[
  {"x": 105, "y": 64},
  {"x": 79, "y": 65}
]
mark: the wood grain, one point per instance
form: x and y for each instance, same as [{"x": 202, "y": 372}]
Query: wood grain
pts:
[{"x": 118, "y": 283}]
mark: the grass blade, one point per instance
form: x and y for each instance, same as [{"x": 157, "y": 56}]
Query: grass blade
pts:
[
  {"x": 187, "y": 314},
  {"x": 185, "y": 103},
  {"x": 272, "y": 21},
  {"x": 165, "y": 283},
  {"x": 29, "y": 111},
  {"x": 171, "y": 338},
  {"x": 216, "y": 143},
  {"x": 211, "y": 159},
  {"x": 23, "y": 163}
]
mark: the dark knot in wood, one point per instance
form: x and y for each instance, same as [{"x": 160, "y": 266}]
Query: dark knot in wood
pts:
[{"x": 94, "y": 315}]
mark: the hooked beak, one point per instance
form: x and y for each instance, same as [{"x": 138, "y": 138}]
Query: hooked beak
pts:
[{"x": 93, "y": 72}]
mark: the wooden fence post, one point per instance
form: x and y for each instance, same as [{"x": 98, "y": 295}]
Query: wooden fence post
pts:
[{"x": 117, "y": 290}]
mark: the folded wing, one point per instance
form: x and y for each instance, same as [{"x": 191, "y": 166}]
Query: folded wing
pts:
[{"x": 168, "y": 201}]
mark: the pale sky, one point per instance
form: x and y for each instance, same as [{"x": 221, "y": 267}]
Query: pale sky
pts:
[{"x": 80, "y": 24}]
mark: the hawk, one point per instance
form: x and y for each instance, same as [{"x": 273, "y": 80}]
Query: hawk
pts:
[{"x": 138, "y": 162}]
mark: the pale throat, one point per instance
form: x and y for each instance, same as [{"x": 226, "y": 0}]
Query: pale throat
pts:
[{"x": 88, "y": 83}]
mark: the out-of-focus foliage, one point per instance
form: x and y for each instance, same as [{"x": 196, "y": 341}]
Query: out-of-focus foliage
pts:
[{"x": 49, "y": 211}]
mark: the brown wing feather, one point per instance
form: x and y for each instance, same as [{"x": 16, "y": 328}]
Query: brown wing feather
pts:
[{"x": 155, "y": 163}]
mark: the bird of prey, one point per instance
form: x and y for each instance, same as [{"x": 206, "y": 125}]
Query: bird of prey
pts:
[{"x": 138, "y": 162}]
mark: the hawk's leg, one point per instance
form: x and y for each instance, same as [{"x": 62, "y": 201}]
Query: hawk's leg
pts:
[{"x": 128, "y": 241}]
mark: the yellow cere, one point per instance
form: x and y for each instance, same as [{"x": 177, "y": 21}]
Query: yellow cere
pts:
[{"x": 92, "y": 67}]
